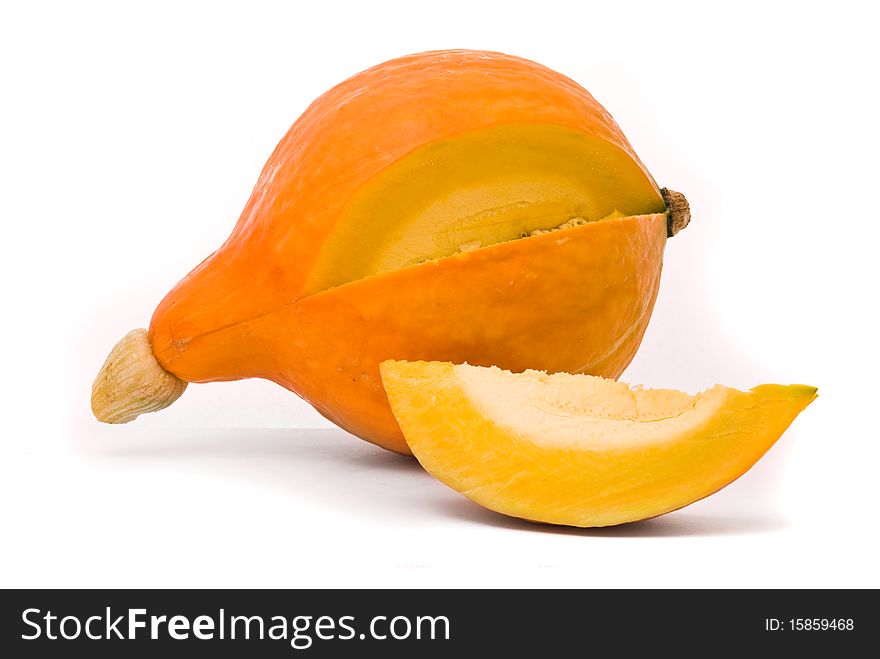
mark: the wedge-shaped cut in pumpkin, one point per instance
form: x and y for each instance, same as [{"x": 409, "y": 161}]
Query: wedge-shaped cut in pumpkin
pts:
[{"x": 581, "y": 450}]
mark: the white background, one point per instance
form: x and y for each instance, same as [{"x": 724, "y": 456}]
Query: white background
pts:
[{"x": 131, "y": 138}]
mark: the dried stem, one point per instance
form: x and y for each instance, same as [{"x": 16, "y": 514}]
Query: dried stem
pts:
[
  {"x": 678, "y": 209},
  {"x": 132, "y": 382}
]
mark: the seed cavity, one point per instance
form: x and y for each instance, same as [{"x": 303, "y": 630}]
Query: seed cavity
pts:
[{"x": 568, "y": 224}]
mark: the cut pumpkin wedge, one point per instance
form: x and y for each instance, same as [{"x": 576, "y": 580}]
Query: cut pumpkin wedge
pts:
[{"x": 580, "y": 450}]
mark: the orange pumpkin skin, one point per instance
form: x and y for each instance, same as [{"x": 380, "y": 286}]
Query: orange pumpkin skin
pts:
[
  {"x": 344, "y": 139},
  {"x": 245, "y": 311},
  {"x": 520, "y": 304}
]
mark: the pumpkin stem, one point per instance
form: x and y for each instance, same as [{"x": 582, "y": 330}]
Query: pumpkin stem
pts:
[
  {"x": 132, "y": 382},
  {"x": 678, "y": 209}
]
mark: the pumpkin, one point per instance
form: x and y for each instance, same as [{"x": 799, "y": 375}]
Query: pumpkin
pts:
[{"x": 453, "y": 206}]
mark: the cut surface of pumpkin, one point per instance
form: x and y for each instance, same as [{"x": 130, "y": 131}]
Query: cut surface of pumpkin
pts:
[
  {"x": 477, "y": 189},
  {"x": 580, "y": 450}
]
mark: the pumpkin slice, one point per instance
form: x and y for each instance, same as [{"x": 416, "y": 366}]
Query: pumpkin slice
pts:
[{"x": 581, "y": 450}]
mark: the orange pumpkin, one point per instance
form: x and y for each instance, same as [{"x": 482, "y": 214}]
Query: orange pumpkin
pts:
[{"x": 409, "y": 214}]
